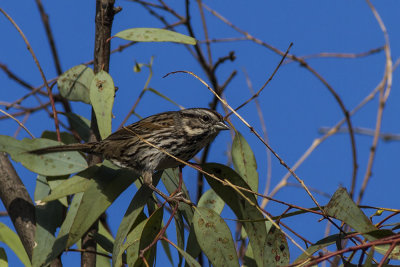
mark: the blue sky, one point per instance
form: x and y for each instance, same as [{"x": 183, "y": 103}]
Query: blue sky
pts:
[{"x": 294, "y": 104}]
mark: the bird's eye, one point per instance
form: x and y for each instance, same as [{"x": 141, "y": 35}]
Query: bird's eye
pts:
[{"x": 206, "y": 118}]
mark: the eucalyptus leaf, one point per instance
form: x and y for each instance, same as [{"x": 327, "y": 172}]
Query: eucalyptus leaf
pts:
[
  {"x": 51, "y": 164},
  {"x": 277, "y": 248},
  {"x": 48, "y": 219},
  {"x": 106, "y": 240},
  {"x": 190, "y": 261},
  {"x": 75, "y": 184},
  {"x": 11, "y": 239},
  {"x": 214, "y": 238},
  {"x": 3, "y": 258},
  {"x": 329, "y": 240},
  {"x": 60, "y": 243},
  {"x": 132, "y": 241},
  {"x": 167, "y": 251},
  {"x": 74, "y": 84},
  {"x": 212, "y": 201},
  {"x": 102, "y": 92},
  {"x": 192, "y": 246},
  {"x": 150, "y": 230},
  {"x": 254, "y": 221},
  {"x": 244, "y": 161},
  {"x": 66, "y": 138},
  {"x": 343, "y": 208},
  {"x": 154, "y": 35},
  {"x": 134, "y": 210},
  {"x": 180, "y": 234},
  {"x": 80, "y": 124},
  {"x": 54, "y": 182},
  {"x": 106, "y": 186},
  {"x": 170, "y": 178}
]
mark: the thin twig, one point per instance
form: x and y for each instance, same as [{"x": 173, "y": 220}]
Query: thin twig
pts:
[
  {"x": 383, "y": 96},
  {"x": 23, "y": 123},
  {"x": 387, "y": 218},
  {"x": 365, "y": 131},
  {"x": 315, "y": 73},
  {"x": 223, "y": 40},
  {"x": 225, "y": 182},
  {"x": 265, "y": 133},
  {"x": 19, "y": 80},
  {"x": 266, "y": 83},
  {"x": 387, "y": 254},
  {"x": 255, "y": 133},
  {"x": 339, "y": 55},
  {"x": 27, "y": 110},
  {"x": 315, "y": 261},
  {"x": 50, "y": 38},
  {"x": 40, "y": 70},
  {"x": 161, "y": 233},
  {"x": 146, "y": 85},
  {"x": 203, "y": 21},
  {"x": 19, "y": 123}
]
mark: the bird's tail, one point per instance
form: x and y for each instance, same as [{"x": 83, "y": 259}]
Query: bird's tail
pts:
[{"x": 87, "y": 148}]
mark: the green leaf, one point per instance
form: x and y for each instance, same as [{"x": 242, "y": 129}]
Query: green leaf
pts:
[
  {"x": 54, "y": 182},
  {"x": 3, "y": 258},
  {"x": 132, "y": 241},
  {"x": 343, "y": 208},
  {"x": 134, "y": 210},
  {"x": 52, "y": 164},
  {"x": 254, "y": 221},
  {"x": 74, "y": 84},
  {"x": 102, "y": 92},
  {"x": 80, "y": 124},
  {"x": 155, "y": 35},
  {"x": 214, "y": 238},
  {"x": 180, "y": 234},
  {"x": 48, "y": 218},
  {"x": 248, "y": 259},
  {"x": 11, "y": 239},
  {"x": 329, "y": 240},
  {"x": 108, "y": 239},
  {"x": 107, "y": 185},
  {"x": 244, "y": 161},
  {"x": 190, "y": 261},
  {"x": 167, "y": 251},
  {"x": 192, "y": 246},
  {"x": 104, "y": 242},
  {"x": 75, "y": 184},
  {"x": 212, "y": 201},
  {"x": 150, "y": 230},
  {"x": 61, "y": 241},
  {"x": 170, "y": 178},
  {"x": 66, "y": 138},
  {"x": 370, "y": 258},
  {"x": 277, "y": 248}
]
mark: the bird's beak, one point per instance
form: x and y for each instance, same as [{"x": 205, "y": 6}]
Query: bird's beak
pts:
[{"x": 221, "y": 126}]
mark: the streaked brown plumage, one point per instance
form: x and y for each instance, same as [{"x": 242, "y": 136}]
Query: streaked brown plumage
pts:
[{"x": 181, "y": 133}]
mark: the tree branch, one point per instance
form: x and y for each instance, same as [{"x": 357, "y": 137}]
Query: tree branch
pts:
[
  {"x": 105, "y": 12},
  {"x": 18, "y": 203}
]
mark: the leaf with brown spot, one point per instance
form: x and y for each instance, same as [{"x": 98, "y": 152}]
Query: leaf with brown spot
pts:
[{"x": 214, "y": 238}]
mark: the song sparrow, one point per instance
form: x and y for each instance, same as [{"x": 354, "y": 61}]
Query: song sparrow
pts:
[{"x": 181, "y": 133}]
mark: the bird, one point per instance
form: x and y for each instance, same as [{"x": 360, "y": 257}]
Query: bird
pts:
[{"x": 144, "y": 145}]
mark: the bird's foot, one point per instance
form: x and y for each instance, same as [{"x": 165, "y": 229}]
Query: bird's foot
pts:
[{"x": 175, "y": 197}]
